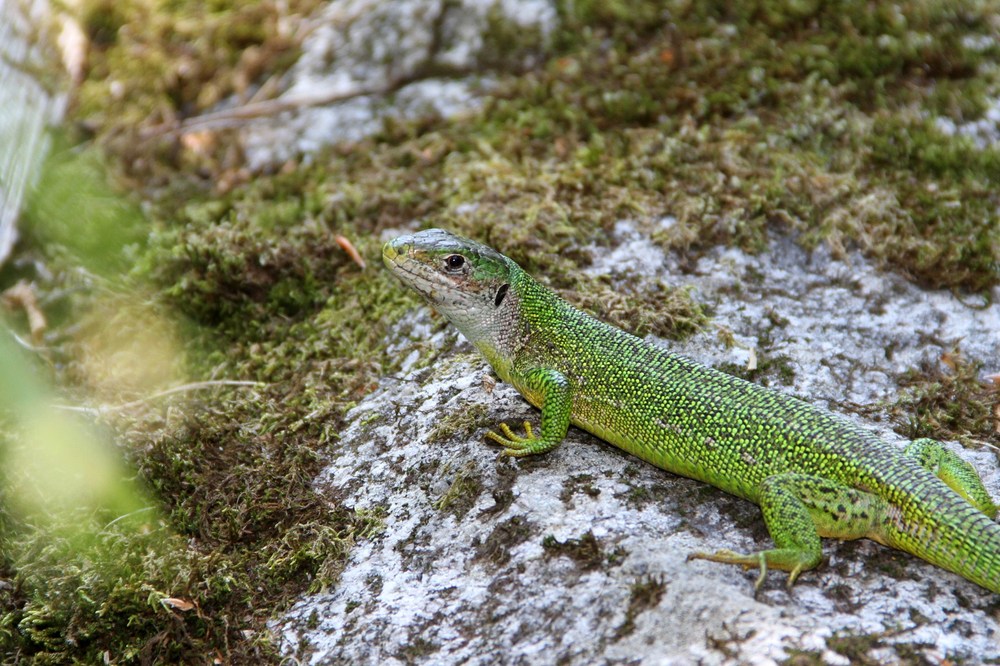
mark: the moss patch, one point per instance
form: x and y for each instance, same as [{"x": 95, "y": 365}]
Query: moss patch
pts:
[
  {"x": 496, "y": 547},
  {"x": 644, "y": 594},
  {"x": 460, "y": 422},
  {"x": 655, "y": 309},
  {"x": 578, "y": 483},
  {"x": 733, "y": 122},
  {"x": 858, "y": 648},
  {"x": 949, "y": 400},
  {"x": 585, "y": 550},
  {"x": 252, "y": 297},
  {"x": 463, "y": 492},
  {"x": 151, "y": 64}
]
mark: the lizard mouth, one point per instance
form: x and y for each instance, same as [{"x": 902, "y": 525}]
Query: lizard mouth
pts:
[
  {"x": 394, "y": 253},
  {"x": 397, "y": 259}
]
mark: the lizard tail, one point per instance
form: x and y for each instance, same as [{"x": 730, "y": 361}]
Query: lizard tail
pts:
[{"x": 966, "y": 543}]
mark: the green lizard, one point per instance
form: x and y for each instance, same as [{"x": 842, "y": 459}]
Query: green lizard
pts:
[{"x": 814, "y": 474}]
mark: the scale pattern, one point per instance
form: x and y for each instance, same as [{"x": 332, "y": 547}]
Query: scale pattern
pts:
[{"x": 812, "y": 472}]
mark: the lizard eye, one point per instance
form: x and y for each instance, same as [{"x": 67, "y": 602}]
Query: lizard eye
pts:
[{"x": 454, "y": 262}]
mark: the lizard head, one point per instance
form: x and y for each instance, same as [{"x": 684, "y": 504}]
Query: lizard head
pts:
[{"x": 465, "y": 281}]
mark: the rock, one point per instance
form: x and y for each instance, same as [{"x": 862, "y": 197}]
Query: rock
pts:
[
  {"x": 403, "y": 59},
  {"x": 578, "y": 556}
]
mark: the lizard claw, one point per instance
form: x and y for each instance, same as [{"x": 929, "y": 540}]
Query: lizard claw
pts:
[
  {"x": 730, "y": 557},
  {"x": 510, "y": 440},
  {"x": 515, "y": 446}
]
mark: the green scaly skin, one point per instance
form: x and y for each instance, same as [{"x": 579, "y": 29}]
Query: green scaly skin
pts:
[{"x": 813, "y": 473}]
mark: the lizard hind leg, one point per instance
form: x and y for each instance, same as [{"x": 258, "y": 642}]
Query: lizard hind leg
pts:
[
  {"x": 956, "y": 473},
  {"x": 798, "y": 509}
]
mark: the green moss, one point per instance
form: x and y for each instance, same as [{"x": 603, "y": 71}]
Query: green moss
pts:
[
  {"x": 507, "y": 535},
  {"x": 417, "y": 649},
  {"x": 507, "y": 42},
  {"x": 948, "y": 401},
  {"x": 463, "y": 492},
  {"x": 578, "y": 483},
  {"x": 460, "y": 422},
  {"x": 857, "y": 647},
  {"x": 920, "y": 147},
  {"x": 768, "y": 125},
  {"x": 803, "y": 658},
  {"x": 266, "y": 297},
  {"x": 653, "y": 309},
  {"x": 644, "y": 594},
  {"x": 768, "y": 368},
  {"x": 73, "y": 596},
  {"x": 244, "y": 522},
  {"x": 586, "y": 551},
  {"x": 737, "y": 121},
  {"x": 162, "y": 61}
]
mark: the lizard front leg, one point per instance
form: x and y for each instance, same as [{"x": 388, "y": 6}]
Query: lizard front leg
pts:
[{"x": 555, "y": 402}]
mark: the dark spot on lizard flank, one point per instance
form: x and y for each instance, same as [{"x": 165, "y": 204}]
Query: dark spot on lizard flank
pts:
[{"x": 841, "y": 509}]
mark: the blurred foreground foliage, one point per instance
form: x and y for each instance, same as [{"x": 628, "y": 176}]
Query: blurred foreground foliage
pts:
[{"x": 152, "y": 529}]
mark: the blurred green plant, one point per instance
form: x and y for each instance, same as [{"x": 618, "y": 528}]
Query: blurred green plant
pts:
[
  {"x": 71, "y": 515},
  {"x": 80, "y": 537},
  {"x": 54, "y": 461},
  {"x": 151, "y": 529},
  {"x": 74, "y": 208}
]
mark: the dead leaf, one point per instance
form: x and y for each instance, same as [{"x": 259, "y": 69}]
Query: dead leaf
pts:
[
  {"x": 951, "y": 359},
  {"x": 21, "y": 295},
  {"x": 351, "y": 251},
  {"x": 182, "y": 605},
  {"x": 200, "y": 143}
]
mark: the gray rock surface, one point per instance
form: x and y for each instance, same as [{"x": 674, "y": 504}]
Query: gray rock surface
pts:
[
  {"x": 579, "y": 556},
  {"x": 401, "y": 59}
]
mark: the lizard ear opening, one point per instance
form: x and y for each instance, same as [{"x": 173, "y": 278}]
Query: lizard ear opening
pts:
[{"x": 501, "y": 292}]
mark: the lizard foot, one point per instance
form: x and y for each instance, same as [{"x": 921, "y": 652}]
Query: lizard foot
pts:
[
  {"x": 785, "y": 559},
  {"x": 744, "y": 560},
  {"x": 515, "y": 445}
]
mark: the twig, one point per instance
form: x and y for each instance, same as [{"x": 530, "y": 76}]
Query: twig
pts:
[
  {"x": 986, "y": 444},
  {"x": 264, "y": 109},
  {"x": 348, "y": 247},
  {"x": 27, "y": 345},
  {"x": 236, "y": 115},
  {"x": 177, "y": 389},
  {"x": 128, "y": 515}
]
